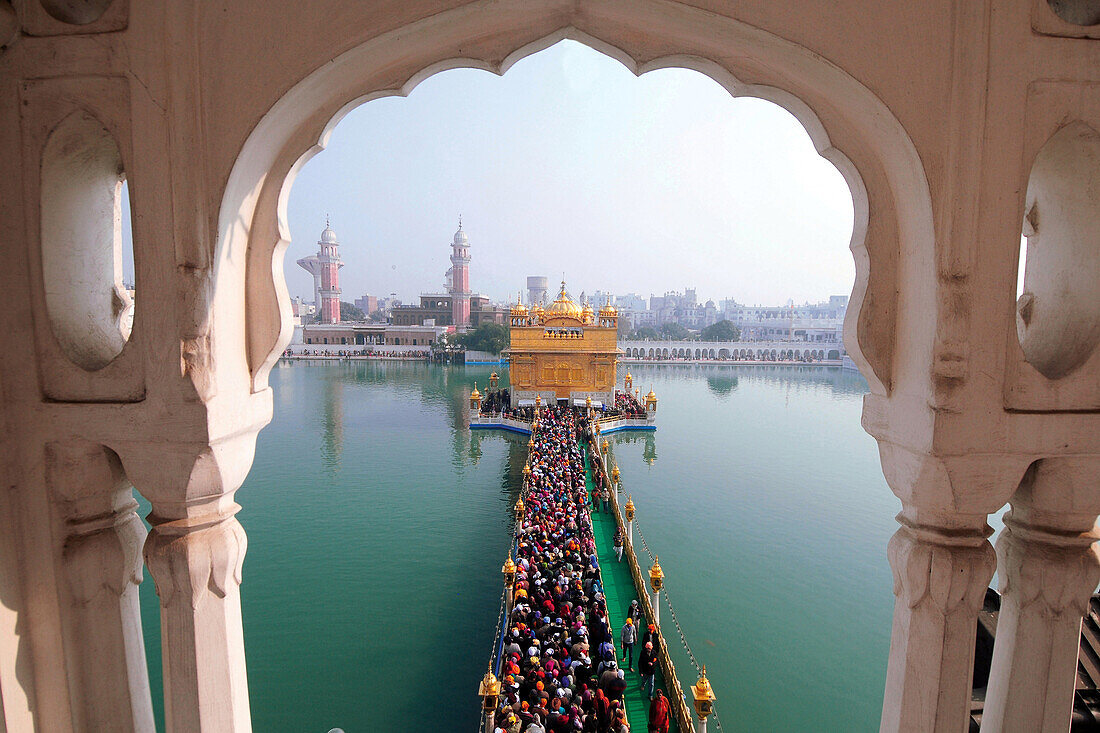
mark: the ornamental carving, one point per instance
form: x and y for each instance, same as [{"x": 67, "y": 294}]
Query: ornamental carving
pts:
[
  {"x": 189, "y": 562},
  {"x": 1060, "y": 571},
  {"x": 951, "y": 575}
]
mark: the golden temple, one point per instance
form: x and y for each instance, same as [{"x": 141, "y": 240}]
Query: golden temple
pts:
[{"x": 563, "y": 351}]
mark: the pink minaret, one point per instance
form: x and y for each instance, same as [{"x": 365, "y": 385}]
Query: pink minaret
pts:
[
  {"x": 325, "y": 266},
  {"x": 460, "y": 277}
]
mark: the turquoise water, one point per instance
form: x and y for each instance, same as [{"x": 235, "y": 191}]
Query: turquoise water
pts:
[{"x": 377, "y": 524}]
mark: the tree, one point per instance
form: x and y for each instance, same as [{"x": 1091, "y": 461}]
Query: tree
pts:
[
  {"x": 489, "y": 337},
  {"x": 721, "y": 331},
  {"x": 377, "y": 316},
  {"x": 674, "y": 331},
  {"x": 646, "y": 333},
  {"x": 350, "y": 312}
]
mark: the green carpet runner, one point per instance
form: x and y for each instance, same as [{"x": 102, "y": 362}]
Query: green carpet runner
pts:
[{"x": 619, "y": 590}]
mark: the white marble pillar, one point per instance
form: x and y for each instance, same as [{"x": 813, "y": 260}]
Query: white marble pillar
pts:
[
  {"x": 100, "y": 558},
  {"x": 941, "y": 570},
  {"x": 1049, "y": 568},
  {"x": 700, "y": 725},
  {"x": 195, "y": 554},
  {"x": 655, "y": 603}
]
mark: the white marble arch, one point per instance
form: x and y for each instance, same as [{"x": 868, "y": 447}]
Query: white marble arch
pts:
[{"x": 937, "y": 156}]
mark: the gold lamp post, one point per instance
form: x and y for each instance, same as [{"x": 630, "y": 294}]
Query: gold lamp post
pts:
[
  {"x": 531, "y": 443},
  {"x": 475, "y": 400},
  {"x": 519, "y": 508},
  {"x": 656, "y": 582},
  {"x": 629, "y": 509},
  {"x": 493, "y": 379},
  {"x": 509, "y": 572},
  {"x": 703, "y": 700},
  {"x": 489, "y": 690},
  {"x": 604, "y": 446},
  {"x": 615, "y": 478},
  {"x": 526, "y": 475},
  {"x": 538, "y": 404}
]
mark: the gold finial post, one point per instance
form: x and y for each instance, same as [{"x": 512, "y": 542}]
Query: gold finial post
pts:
[
  {"x": 489, "y": 690},
  {"x": 703, "y": 698}
]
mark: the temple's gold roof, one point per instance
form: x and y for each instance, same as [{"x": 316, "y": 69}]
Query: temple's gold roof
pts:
[
  {"x": 564, "y": 307},
  {"x": 607, "y": 309}
]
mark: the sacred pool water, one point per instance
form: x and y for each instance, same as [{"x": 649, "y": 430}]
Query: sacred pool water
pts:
[{"x": 377, "y": 525}]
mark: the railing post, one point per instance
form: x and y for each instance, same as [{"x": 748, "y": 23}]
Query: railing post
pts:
[
  {"x": 1048, "y": 571},
  {"x": 195, "y": 553},
  {"x": 101, "y": 539},
  {"x": 941, "y": 571}
]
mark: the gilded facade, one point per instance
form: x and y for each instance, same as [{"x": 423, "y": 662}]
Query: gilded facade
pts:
[{"x": 565, "y": 350}]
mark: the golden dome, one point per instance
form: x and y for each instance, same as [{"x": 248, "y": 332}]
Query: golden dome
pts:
[
  {"x": 475, "y": 395},
  {"x": 564, "y": 307},
  {"x": 587, "y": 314},
  {"x": 608, "y": 310}
]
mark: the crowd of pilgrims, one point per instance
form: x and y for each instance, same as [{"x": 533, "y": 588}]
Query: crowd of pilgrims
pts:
[
  {"x": 628, "y": 405},
  {"x": 499, "y": 401},
  {"x": 559, "y": 670}
]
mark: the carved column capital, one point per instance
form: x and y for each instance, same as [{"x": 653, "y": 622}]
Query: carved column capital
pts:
[
  {"x": 192, "y": 557},
  {"x": 103, "y": 553},
  {"x": 1058, "y": 568},
  {"x": 947, "y": 568}
]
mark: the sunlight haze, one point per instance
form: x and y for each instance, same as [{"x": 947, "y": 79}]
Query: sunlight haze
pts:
[{"x": 570, "y": 164}]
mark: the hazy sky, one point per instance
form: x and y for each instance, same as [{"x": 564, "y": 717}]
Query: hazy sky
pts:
[{"x": 569, "y": 163}]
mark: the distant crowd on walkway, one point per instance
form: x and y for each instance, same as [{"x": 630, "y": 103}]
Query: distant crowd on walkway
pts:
[
  {"x": 559, "y": 669},
  {"x": 357, "y": 354}
]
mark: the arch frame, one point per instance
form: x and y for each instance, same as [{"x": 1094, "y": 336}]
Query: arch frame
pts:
[{"x": 847, "y": 123}]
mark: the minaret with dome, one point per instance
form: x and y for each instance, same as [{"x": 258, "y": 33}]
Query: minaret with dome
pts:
[
  {"x": 458, "y": 279},
  {"x": 325, "y": 268}
]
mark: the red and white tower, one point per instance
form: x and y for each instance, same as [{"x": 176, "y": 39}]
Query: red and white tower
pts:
[
  {"x": 325, "y": 267},
  {"x": 460, "y": 278}
]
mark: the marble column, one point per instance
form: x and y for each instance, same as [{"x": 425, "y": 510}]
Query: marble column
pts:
[
  {"x": 195, "y": 552},
  {"x": 1049, "y": 569},
  {"x": 100, "y": 559},
  {"x": 941, "y": 571}
]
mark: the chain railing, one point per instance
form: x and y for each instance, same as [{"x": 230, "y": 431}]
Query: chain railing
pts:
[
  {"x": 668, "y": 669},
  {"x": 668, "y": 600},
  {"x": 676, "y": 622}
]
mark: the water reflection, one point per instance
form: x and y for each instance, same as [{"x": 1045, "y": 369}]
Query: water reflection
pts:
[
  {"x": 721, "y": 386},
  {"x": 839, "y": 381}
]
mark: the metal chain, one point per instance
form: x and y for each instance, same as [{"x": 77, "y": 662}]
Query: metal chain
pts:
[
  {"x": 679, "y": 629},
  {"x": 496, "y": 635}
]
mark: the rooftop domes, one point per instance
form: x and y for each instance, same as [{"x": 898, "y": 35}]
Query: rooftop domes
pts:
[
  {"x": 564, "y": 307},
  {"x": 328, "y": 236},
  {"x": 519, "y": 310}
]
